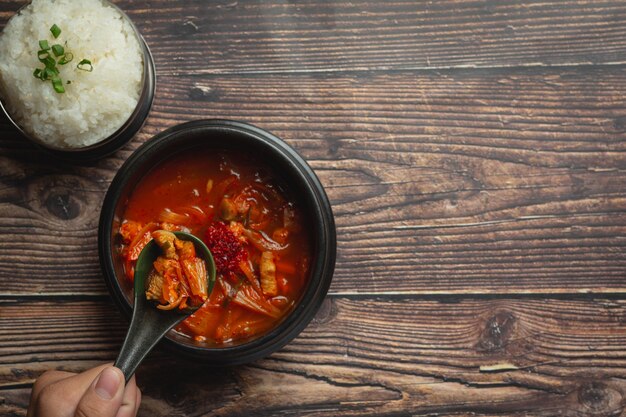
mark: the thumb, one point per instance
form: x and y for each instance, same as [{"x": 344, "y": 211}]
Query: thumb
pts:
[{"x": 104, "y": 396}]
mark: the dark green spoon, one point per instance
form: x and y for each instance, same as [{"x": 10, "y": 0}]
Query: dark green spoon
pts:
[{"x": 150, "y": 324}]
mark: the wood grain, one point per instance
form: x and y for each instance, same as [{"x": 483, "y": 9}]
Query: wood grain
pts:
[
  {"x": 455, "y": 182},
  {"x": 475, "y": 156},
  {"x": 274, "y": 36},
  {"x": 361, "y": 357},
  {"x": 226, "y": 36}
]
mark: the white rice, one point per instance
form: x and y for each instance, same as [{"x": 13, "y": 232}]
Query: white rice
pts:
[{"x": 95, "y": 104}]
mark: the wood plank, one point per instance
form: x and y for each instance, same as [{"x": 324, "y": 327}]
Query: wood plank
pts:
[
  {"x": 225, "y": 36},
  {"x": 360, "y": 357},
  {"x": 445, "y": 182}
]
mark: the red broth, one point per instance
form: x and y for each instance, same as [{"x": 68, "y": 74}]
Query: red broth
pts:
[{"x": 255, "y": 231}]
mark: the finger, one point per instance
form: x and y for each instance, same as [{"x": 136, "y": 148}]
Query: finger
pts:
[
  {"x": 86, "y": 378},
  {"x": 138, "y": 401},
  {"x": 54, "y": 390},
  {"x": 68, "y": 389},
  {"x": 129, "y": 400},
  {"x": 104, "y": 396},
  {"x": 47, "y": 378}
]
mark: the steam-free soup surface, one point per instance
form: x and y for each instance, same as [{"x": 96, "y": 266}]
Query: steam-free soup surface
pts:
[{"x": 256, "y": 232}]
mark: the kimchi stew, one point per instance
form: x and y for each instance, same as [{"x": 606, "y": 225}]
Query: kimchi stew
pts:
[{"x": 254, "y": 230}]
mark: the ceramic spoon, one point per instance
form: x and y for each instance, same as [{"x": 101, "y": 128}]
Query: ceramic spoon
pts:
[{"x": 150, "y": 324}]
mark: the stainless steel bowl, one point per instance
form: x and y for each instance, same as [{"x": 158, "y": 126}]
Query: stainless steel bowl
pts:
[{"x": 125, "y": 133}]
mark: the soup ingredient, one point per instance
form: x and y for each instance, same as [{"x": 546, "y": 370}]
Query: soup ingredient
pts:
[
  {"x": 179, "y": 278},
  {"x": 268, "y": 274},
  {"x": 226, "y": 248},
  {"x": 99, "y": 99},
  {"x": 256, "y": 233}
]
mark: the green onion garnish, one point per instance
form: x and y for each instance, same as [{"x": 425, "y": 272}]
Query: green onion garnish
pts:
[
  {"x": 57, "y": 50},
  {"x": 85, "y": 65},
  {"x": 43, "y": 55},
  {"x": 66, "y": 59},
  {"x": 49, "y": 62},
  {"x": 49, "y": 74},
  {"x": 51, "y": 71},
  {"x": 56, "y": 31},
  {"x": 57, "y": 83}
]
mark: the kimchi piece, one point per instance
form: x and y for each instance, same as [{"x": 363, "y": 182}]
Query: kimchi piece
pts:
[
  {"x": 179, "y": 277},
  {"x": 255, "y": 230}
]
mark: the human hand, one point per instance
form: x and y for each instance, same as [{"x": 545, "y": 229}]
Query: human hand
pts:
[{"x": 97, "y": 392}]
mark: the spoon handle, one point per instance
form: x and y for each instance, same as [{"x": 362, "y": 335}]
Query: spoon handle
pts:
[{"x": 147, "y": 327}]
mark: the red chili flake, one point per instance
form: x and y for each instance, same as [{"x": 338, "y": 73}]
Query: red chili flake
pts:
[{"x": 226, "y": 249}]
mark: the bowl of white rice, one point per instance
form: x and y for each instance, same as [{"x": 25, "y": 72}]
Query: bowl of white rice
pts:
[{"x": 76, "y": 77}]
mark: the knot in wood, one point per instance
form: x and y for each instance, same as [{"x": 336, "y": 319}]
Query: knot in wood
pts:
[
  {"x": 62, "y": 205},
  {"x": 333, "y": 146},
  {"x": 497, "y": 332},
  {"x": 64, "y": 199},
  {"x": 619, "y": 124},
  {"x": 189, "y": 28},
  {"x": 599, "y": 399},
  {"x": 326, "y": 312},
  {"x": 203, "y": 92}
]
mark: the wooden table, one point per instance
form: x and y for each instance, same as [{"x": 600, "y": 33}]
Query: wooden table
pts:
[{"x": 475, "y": 155}]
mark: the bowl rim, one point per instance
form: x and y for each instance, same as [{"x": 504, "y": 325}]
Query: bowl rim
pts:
[
  {"x": 324, "y": 232},
  {"x": 124, "y": 133}
]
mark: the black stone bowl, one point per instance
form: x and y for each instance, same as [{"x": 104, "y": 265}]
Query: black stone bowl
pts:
[
  {"x": 302, "y": 184},
  {"x": 120, "y": 137}
]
